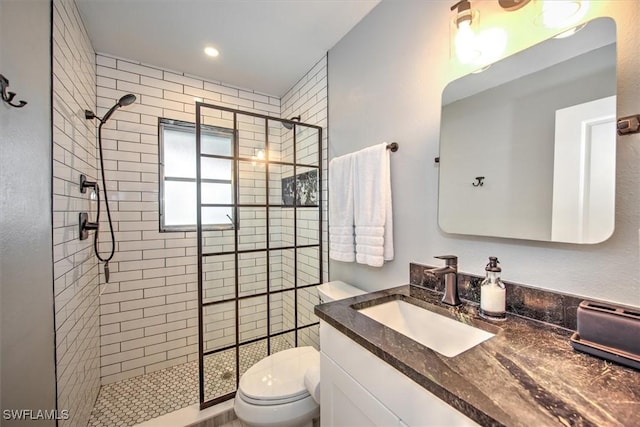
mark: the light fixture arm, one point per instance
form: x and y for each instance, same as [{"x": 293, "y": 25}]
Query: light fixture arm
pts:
[
  {"x": 512, "y": 5},
  {"x": 462, "y": 5},
  {"x": 464, "y": 12}
]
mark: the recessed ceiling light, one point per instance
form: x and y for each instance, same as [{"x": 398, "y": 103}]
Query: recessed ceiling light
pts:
[{"x": 211, "y": 51}]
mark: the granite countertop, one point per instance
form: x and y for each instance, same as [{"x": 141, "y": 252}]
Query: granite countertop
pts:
[{"x": 526, "y": 375}]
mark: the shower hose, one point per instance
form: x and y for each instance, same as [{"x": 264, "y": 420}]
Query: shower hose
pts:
[{"x": 106, "y": 202}]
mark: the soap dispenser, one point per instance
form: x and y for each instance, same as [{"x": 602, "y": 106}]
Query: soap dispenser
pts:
[{"x": 493, "y": 293}]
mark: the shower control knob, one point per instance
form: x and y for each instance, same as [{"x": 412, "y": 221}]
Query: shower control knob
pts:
[{"x": 85, "y": 225}]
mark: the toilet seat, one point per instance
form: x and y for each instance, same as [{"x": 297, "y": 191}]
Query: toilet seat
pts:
[
  {"x": 270, "y": 402},
  {"x": 279, "y": 378}
]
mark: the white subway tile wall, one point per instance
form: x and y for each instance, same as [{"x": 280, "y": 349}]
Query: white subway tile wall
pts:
[
  {"x": 308, "y": 98},
  {"x": 76, "y": 285},
  {"x": 149, "y": 309}
]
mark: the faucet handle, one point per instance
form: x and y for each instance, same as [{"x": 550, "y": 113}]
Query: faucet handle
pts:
[{"x": 449, "y": 259}]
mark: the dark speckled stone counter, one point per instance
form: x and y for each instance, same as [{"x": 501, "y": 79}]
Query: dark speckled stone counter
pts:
[{"x": 526, "y": 375}]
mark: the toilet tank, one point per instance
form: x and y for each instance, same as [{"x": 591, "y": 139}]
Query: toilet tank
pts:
[{"x": 335, "y": 290}]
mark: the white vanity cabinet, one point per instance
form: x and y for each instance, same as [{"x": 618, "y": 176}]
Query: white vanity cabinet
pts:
[
  {"x": 359, "y": 389},
  {"x": 345, "y": 403}
]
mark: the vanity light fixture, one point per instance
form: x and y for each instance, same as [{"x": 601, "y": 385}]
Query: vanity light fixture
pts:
[
  {"x": 211, "y": 51},
  {"x": 465, "y": 41},
  {"x": 512, "y": 5},
  {"x": 483, "y": 48},
  {"x": 466, "y": 49},
  {"x": 553, "y": 13},
  {"x": 562, "y": 13},
  {"x": 479, "y": 49}
]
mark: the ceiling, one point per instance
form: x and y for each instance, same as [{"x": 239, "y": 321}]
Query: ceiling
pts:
[{"x": 265, "y": 45}]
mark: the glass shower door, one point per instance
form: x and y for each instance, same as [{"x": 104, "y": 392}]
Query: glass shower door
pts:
[{"x": 258, "y": 270}]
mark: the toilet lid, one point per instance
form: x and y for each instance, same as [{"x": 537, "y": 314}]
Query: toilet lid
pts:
[{"x": 279, "y": 377}]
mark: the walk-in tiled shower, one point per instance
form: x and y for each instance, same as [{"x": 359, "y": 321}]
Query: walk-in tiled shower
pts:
[{"x": 143, "y": 324}]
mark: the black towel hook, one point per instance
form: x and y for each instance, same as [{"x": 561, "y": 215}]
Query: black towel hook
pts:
[
  {"x": 8, "y": 96},
  {"x": 479, "y": 181}
]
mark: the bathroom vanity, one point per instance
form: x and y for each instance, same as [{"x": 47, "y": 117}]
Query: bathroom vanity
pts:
[
  {"x": 360, "y": 389},
  {"x": 526, "y": 374}
]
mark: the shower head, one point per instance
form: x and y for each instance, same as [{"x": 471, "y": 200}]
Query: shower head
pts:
[
  {"x": 122, "y": 102},
  {"x": 127, "y": 99},
  {"x": 289, "y": 125}
]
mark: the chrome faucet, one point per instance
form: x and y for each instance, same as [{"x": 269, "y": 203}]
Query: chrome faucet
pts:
[{"x": 450, "y": 274}]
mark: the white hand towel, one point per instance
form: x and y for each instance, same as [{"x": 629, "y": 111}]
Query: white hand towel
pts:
[
  {"x": 373, "y": 214},
  {"x": 341, "y": 240}
]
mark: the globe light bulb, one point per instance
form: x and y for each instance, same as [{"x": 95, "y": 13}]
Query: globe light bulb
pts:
[
  {"x": 466, "y": 44},
  {"x": 562, "y": 13}
]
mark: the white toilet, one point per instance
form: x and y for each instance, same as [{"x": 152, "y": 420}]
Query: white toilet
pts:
[{"x": 272, "y": 393}]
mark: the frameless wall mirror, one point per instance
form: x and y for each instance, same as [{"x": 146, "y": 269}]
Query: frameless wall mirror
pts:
[{"x": 527, "y": 147}]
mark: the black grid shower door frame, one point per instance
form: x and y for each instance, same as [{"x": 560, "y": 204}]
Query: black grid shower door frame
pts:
[{"x": 236, "y": 159}]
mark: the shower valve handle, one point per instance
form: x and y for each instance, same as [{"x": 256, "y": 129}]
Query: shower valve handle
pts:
[
  {"x": 86, "y": 226},
  {"x": 84, "y": 184}
]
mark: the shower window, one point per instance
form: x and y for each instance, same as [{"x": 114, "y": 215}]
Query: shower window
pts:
[{"x": 177, "y": 162}]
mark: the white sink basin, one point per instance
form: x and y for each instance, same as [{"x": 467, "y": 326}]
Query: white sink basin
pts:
[{"x": 442, "y": 334}]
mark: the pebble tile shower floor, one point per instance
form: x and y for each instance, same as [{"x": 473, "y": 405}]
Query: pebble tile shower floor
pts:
[{"x": 135, "y": 400}]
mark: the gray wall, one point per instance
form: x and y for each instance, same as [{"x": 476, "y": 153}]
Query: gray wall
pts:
[
  {"x": 385, "y": 83},
  {"x": 28, "y": 380}
]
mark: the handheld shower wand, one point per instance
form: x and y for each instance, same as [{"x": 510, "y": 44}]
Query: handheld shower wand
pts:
[
  {"x": 90, "y": 115},
  {"x": 122, "y": 102}
]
